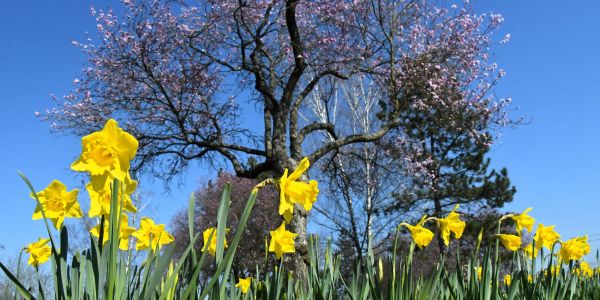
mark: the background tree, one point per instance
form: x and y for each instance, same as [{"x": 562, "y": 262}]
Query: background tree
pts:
[
  {"x": 176, "y": 72},
  {"x": 435, "y": 161},
  {"x": 359, "y": 178},
  {"x": 251, "y": 252},
  {"x": 449, "y": 146}
]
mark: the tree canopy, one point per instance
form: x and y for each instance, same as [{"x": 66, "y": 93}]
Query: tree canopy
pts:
[{"x": 177, "y": 75}]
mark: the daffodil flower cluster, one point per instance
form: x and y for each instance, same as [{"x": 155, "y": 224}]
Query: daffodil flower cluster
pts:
[
  {"x": 544, "y": 237},
  {"x": 524, "y": 225},
  {"x": 292, "y": 191},
  {"x": 282, "y": 241},
  {"x": 450, "y": 224},
  {"x": 106, "y": 155},
  {"x": 584, "y": 270}
]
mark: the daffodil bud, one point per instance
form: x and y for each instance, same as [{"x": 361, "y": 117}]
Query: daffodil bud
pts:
[{"x": 380, "y": 265}]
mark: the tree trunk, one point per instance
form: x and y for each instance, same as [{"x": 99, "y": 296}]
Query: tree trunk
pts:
[
  {"x": 297, "y": 262},
  {"x": 438, "y": 214}
]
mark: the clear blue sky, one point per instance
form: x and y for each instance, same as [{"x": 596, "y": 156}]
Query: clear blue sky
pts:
[{"x": 553, "y": 76}]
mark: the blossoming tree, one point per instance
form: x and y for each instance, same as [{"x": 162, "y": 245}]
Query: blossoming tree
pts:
[{"x": 176, "y": 75}]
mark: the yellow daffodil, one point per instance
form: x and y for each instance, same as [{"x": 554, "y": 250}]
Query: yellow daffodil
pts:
[
  {"x": 420, "y": 235},
  {"x": 212, "y": 248},
  {"x": 530, "y": 278},
  {"x": 39, "y": 252},
  {"x": 546, "y": 236},
  {"x": 510, "y": 241},
  {"x": 574, "y": 249},
  {"x": 282, "y": 241},
  {"x": 451, "y": 223},
  {"x": 293, "y": 191},
  {"x": 125, "y": 232},
  {"x": 530, "y": 251},
  {"x": 523, "y": 220},
  {"x": 479, "y": 271},
  {"x": 584, "y": 270},
  {"x": 57, "y": 203},
  {"x": 107, "y": 152},
  {"x": 507, "y": 279},
  {"x": 100, "y": 193},
  {"x": 244, "y": 284},
  {"x": 151, "y": 235}
]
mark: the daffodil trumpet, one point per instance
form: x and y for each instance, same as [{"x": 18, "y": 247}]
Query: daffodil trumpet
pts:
[{"x": 451, "y": 224}]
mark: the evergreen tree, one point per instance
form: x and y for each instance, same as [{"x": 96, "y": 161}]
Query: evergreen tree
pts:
[{"x": 445, "y": 150}]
